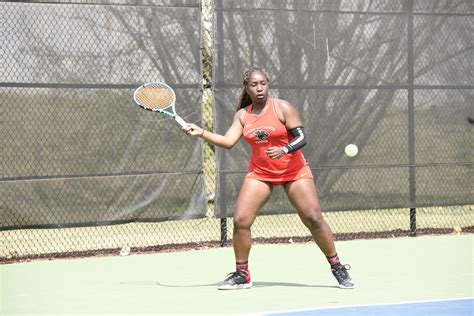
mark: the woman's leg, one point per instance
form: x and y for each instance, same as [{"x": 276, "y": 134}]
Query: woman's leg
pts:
[
  {"x": 302, "y": 194},
  {"x": 252, "y": 197}
]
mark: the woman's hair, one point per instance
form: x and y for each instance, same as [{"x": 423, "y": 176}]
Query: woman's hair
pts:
[{"x": 244, "y": 98}]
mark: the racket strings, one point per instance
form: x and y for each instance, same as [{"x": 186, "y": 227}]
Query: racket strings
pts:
[{"x": 155, "y": 97}]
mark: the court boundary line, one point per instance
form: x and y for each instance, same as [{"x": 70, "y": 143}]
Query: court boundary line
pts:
[{"x": 363, "y": 305}]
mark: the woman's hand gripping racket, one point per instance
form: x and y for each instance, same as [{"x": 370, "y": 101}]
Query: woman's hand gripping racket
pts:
[{"x": 158, "y": 97}]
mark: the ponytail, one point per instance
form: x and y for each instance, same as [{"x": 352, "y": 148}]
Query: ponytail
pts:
[{"x": 244, "y": 100}]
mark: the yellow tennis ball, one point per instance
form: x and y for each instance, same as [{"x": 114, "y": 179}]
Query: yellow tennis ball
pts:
[{"x": 351, "y": 150}]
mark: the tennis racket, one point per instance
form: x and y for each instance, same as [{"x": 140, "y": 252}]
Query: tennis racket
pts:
[{"x": 158, "y": 97}]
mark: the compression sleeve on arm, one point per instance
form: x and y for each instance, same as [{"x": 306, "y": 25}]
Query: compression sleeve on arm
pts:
[{"x": 297, "y": 142}]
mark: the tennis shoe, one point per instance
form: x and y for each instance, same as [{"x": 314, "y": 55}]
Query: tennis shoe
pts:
[
  {"x": 342, "y": 276},
  {"x": 240, "y": 279}
]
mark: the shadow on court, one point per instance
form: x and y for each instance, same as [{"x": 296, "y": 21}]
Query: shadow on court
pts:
[
  {"x": 255, "y": 284},
  {"x": 289, "y": 284}
]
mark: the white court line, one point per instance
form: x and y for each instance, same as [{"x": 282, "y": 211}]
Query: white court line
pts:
[{"x": 364, "y": 305}]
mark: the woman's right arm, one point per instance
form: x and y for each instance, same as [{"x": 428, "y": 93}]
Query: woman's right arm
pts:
[{"x": 228, "y": 140}]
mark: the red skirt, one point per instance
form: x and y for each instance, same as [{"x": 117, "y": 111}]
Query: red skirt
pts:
[{"x": 302, "y": 173}]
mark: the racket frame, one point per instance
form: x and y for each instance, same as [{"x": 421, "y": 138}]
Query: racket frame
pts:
[{"x": 172, "y": 114}]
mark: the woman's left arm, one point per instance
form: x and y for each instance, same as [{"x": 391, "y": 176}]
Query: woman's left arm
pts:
[{"x": 290, "y": 117}]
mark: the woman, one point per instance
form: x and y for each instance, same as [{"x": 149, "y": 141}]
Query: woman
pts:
[{"x": 275, "y": 133}]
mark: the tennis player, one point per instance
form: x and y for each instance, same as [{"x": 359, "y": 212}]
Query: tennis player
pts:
[{"x": 274, "y": 131}]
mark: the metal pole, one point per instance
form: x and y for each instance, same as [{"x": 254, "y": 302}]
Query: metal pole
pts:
[
  {"x": 219, "y": 96},
  {"x": 411, "y": 118}
]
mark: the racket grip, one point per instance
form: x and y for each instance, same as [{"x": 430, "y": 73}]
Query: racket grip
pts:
[{"x": 180, "y": 120}]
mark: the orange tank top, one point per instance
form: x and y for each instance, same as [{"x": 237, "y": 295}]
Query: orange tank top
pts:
[{"x": 266, "y": 130}]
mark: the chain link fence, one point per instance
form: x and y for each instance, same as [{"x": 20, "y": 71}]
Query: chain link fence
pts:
[{"x": 84, "y": 172}]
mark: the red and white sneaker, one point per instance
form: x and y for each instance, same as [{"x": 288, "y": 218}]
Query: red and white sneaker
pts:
[{"x": 240, "y": 279}]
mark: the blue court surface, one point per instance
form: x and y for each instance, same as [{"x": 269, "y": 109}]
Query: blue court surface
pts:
[{"x": 455, "y": 307}]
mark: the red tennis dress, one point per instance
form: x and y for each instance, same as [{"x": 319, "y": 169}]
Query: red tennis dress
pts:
[{"x": 266, "y": 130}]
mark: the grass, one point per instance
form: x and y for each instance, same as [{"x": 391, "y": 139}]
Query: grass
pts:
[{"x": 31, "y": 243}]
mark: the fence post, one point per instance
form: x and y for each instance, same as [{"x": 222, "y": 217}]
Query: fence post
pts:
[
  {"x": 219, "y": 78},
  {"x": 411, "y": 118},
  {"x": 412, "y": 222}
]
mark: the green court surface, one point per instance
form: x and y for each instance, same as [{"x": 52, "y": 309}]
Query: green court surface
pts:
[{"x": 286, "y": 277}]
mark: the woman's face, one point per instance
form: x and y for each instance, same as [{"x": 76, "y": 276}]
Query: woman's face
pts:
[{"x": 257, "y": 87}]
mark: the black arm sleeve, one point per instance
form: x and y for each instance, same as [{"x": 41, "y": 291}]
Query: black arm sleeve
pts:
[{"x": 298, "y": 141}]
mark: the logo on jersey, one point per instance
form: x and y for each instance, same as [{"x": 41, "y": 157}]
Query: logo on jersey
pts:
[{"x": 260, "y": 134}]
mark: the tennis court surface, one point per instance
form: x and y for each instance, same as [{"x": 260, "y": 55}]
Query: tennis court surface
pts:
[
  {"x": 429, "y": 275},
  {"x": 442, "y": 307}
]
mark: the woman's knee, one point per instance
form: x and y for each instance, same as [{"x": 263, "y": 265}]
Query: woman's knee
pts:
[
  {"x": 242, "y": 221},
  {"x": 314, "y": 220}
]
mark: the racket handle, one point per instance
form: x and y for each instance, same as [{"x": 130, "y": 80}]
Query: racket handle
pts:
[{"x": 180, "y": 120}]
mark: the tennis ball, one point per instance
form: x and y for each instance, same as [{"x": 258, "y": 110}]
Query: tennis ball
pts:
[{"x": 351, "y": 150}]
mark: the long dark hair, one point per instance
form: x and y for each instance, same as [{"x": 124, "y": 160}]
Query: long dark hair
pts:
[{"x": 244, "y": 98}]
